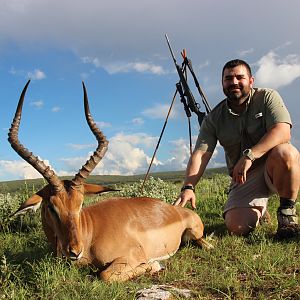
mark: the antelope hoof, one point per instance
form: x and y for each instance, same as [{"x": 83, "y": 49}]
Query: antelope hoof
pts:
[{"x": 156, "y": 266}]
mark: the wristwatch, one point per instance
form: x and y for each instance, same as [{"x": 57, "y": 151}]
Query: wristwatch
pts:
[
  {"x": 188, "y": 187},
  {"x": 248, "y": 153}
]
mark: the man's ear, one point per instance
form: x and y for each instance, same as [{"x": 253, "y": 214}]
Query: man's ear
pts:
[
  {"x": 33, "y": 203},
  {"x": 251, "y": 81},
  {"x": 96, "y": 189}
]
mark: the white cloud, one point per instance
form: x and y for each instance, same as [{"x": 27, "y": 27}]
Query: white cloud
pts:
[
  {"x": 91, "y": 60},
  {"x": 37, "y": 104},
  {"x": 14, "y": 71},
  {"x": 71, "y": 165},
  {"x": 129, "y": 25},
  {"x": 125, "y": 67},
  {"x": 137, "y": 121},
  {"x": 141, "y": 139},
  {"x": 81, "y": 146},
  {"x": 275, "y": 72},
  {"x": 243, "y": 53},
  {"x": 122, "y": 158},
  {"x": 283, "y": 46},
  {"x": 102, "y": 124},
  {"x": 160, "y": 111},
  {"x": 126, "y": 155},
  {"x": 179, "y": 156},
  {"x": 56, "y": 109},
  {"x": 140, "y": 67},
  {"x": 18, "y": 169},
  {"x": 36, "y": 75}
]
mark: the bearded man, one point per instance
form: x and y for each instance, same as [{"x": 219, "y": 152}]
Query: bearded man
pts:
[{"x": 253, "y": 126}]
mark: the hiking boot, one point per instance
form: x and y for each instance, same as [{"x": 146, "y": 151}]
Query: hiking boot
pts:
[{"x": 287, "y": 222}]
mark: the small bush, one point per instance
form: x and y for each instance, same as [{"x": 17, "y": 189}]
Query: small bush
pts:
[
  {"x": 8, "y": 205},
  {"x": 155, "y": 188}
]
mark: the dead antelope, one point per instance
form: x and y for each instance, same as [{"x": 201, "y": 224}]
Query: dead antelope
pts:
[{"x": 123, "y": 237}]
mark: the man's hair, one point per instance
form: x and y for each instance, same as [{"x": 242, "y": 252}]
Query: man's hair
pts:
[{"x": 237, "y": 62}]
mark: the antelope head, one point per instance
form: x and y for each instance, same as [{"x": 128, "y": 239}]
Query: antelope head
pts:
[{"x": 61, "y": 199}]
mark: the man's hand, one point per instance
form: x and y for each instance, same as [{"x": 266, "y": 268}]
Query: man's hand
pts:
[
  {"x": 240, "y": 170},
  {"x": 184, "y": 197}
]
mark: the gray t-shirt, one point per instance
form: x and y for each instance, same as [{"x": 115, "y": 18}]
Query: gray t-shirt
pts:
[{"x": 238, "y": 132}]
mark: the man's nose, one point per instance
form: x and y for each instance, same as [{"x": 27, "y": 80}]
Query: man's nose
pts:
[{"x": 235, "y": 80}]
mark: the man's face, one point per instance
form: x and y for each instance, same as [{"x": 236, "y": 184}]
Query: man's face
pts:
[{"x": 237, "y": 84}]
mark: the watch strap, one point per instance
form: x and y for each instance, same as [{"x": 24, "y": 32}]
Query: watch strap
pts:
[{"x": 188, "y": 187}]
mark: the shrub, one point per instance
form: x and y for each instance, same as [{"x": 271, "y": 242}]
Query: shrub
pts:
[
  {"x": 155, "y": 188},
  {"x": 8, "y": 205}
]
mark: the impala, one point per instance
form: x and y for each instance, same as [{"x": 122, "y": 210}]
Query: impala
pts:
[{"x": 122, "y": 237}]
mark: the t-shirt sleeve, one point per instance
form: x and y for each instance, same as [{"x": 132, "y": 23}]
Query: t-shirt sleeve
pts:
[{"x": 276, "y": 110}]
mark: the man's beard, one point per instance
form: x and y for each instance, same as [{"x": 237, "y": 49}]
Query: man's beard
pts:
[{"x": 234, "y": 95}]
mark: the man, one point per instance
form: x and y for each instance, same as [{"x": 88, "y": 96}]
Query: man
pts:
[{"x": 253, "y": 126}]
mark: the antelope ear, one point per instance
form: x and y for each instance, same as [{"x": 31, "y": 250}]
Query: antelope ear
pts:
[
  {"x": 96, "y": 189},
  {"x": 33, "y": 203}
]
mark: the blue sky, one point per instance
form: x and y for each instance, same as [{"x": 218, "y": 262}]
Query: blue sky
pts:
[{"x": 118, "y": 48}]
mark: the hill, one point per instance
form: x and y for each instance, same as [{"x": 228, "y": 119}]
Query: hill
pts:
[{"x": 35, "y": 184}]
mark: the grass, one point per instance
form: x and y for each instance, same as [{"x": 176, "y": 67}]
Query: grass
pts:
[{"x": 255, "y": 267}]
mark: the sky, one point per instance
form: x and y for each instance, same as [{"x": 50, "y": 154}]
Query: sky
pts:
[{"x": 118, "y": 49}]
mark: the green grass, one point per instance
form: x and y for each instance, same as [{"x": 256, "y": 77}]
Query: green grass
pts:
[{"x": 255, "y": 267}]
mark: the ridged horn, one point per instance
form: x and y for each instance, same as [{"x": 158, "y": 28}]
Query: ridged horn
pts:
[
  {"x": 28, "y": 156},
  {"x": 96, "y": 157}
]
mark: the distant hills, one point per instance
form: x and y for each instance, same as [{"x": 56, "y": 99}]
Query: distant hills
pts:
[{"x": 35, "y": 184}]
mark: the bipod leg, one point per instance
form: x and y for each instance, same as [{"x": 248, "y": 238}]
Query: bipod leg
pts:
[
  {"x": 161, "y": 134},
  {"x": 190, "y": 136}
]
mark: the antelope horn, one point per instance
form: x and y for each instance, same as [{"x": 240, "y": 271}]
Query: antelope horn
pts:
[
  {"x": 28, "y": 156},
  {"x": 95, "y": 158}
]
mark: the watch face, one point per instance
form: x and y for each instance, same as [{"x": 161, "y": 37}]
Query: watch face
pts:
[
  {"x": 249, "y": 154},
  {"x": 247, "y": 151}
]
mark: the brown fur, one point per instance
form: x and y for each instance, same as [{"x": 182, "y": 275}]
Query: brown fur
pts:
[{"x": 123, "y": 237}]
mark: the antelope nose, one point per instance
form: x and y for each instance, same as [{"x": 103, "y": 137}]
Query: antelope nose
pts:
[{"x": 74, "y": 254}]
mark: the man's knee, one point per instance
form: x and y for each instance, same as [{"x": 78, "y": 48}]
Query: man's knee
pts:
[
  {"x": 241, "y": 221},
  {"x": 284, "y": 153}
]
